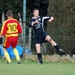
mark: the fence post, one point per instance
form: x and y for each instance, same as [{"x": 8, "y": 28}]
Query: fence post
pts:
[
  {"x": 30, "y": 34},
  {"x": 24, "y": 25}
]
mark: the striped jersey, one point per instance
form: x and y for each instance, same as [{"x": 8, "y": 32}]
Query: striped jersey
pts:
[
  {"x": 11, "y": 28},
  {"x": 38, "y": 27}
]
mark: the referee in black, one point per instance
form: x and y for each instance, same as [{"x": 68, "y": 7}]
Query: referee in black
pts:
[{"x": 37, "y": 22}]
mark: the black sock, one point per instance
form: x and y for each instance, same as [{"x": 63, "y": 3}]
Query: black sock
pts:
[
  {"x": 57, "y": 48},
  {"x": 39, "y": 57}
]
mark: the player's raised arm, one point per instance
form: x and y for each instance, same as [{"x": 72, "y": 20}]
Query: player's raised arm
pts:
[
  {"x": 51, "y": 19},
  {"x": 3, "y": 29}
]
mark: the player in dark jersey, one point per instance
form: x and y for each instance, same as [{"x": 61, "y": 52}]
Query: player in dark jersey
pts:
[{"x": 37, "y": 22}]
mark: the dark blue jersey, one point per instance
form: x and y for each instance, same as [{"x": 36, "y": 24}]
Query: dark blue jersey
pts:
[{"x": 38, "y": 27}]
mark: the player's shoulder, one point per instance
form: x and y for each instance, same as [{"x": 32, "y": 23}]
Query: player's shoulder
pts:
[
  {"x": 5, "y": 21},
  {"x": 32, "y": 19},
  {"x": 36, "y": 18},
  {"x": 11, "y": 19},
  {"x": 14, "y": 19},
  {"x": 41, "y": 17}
]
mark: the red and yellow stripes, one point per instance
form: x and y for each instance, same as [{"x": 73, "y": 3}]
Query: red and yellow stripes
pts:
[
  {"x": 11, "y": 27},
  {"x": 3, "y": 30}
]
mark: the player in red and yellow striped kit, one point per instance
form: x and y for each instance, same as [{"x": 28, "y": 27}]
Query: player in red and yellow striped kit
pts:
[{"x": 10, "y": 29}]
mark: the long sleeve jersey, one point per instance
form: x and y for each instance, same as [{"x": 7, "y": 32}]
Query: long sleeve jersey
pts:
[{"x": 38, "y": 27}]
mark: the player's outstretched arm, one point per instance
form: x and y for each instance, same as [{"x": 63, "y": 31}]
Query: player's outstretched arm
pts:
[{"x": 51, "y": 19}]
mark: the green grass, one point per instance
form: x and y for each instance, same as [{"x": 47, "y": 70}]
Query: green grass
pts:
[{"x": 33, "y": 68}]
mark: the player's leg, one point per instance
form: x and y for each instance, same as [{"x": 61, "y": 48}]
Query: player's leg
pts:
[
  {"x": 17, "y": 55},
  {"x": 49, "y": 39},
  {"x": 7, "y": 55},
  {"x": 39, "y": 55},
  {"x": 14, "y": 43},
  {"x": 6, "y": 45}
]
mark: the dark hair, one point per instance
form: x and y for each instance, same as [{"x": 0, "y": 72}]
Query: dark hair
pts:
[
  {"x": 9, "y": 13},
  {"x": 35, "y": 9}
]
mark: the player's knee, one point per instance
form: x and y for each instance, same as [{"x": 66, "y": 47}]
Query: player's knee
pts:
[
  {"x": 49, "y": 39},
  {"x": 37, "y": 48}
]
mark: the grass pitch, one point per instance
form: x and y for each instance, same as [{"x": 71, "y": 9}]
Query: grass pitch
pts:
[{"x": 33, "y": 68}]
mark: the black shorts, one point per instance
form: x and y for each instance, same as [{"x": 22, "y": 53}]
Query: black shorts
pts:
[{"x": 39, "y": 39}]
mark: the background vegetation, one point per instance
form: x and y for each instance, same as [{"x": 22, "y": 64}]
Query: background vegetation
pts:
[
  {"x": 15, "y": 5},
  {"x": 61, "y": 30}
]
